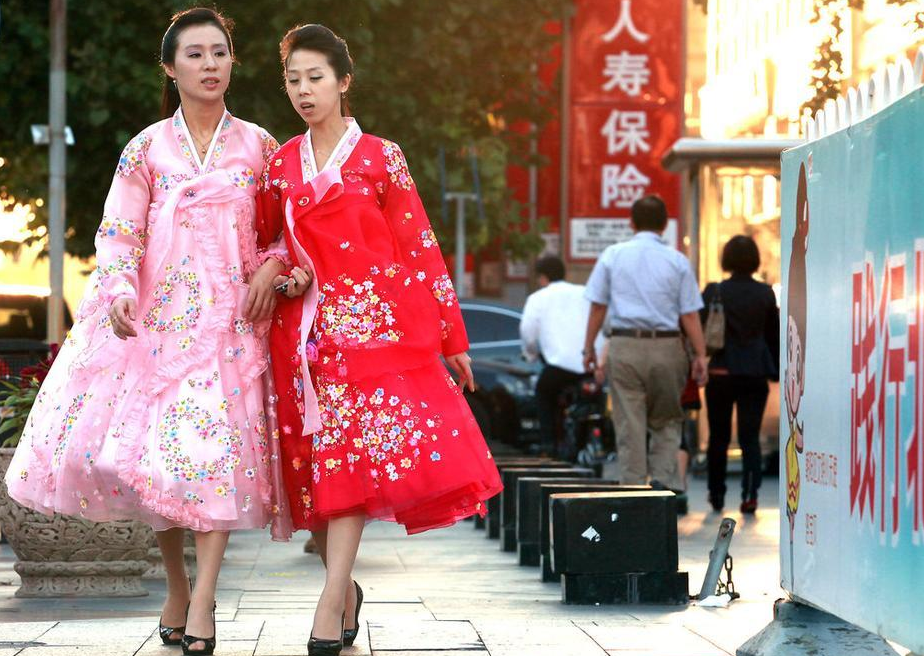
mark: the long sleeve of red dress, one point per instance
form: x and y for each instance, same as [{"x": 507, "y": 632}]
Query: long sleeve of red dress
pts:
[{"x": 417, "y": 244}]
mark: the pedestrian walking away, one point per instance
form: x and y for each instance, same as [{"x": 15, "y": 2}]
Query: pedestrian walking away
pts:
[
  {"x": 154, "y": 409},
  {"x": 646, "y": 289},
  {"x": 372, "y": 424},
  {"x": 739, "y": 371},
  {"x": 552, "y": 316}
]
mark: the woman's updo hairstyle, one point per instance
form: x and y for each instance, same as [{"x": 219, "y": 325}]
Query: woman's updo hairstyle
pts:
[
  {"x": 168, "y": 46},
  {"x": 320, "y": 39}
]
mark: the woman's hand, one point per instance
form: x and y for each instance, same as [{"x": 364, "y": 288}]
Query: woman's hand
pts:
[
  {"x": 121, "y": 314},
  {"x": 261, "y": 299},
  {"x": 295, "y": 284},
  {"x": 460, "y": 363}
]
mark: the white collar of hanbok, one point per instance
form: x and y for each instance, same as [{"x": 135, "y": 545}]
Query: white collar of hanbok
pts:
[
  {"x": 216, "y": 147},
  {"x": 338, "y": 156}
]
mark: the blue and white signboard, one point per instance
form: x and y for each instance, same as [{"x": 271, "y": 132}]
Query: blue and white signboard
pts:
[{"x": 852, "y": 407}]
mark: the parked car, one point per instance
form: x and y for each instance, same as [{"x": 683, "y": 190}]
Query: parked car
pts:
[
  {"x": 24, "y": 327},
  {"x": 504, "y": 400}
]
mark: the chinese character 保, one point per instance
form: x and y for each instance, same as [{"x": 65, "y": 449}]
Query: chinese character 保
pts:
[
  {"x": 626, "y": 131},
  {"x": 626, "y": 71},
  {"x": 621, "y": 186},
  {"x": 625, "y": 23}
]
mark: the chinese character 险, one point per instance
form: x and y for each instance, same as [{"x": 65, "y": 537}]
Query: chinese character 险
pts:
[
  {"x": 625, "y": 23},
  {"x": 626, "y": 131},
  {"x": 626, "y": 71},
  {"x": 621, "y": 186}
]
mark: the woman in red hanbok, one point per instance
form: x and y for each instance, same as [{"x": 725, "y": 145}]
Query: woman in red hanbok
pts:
[{"x": 372, "y": 425}]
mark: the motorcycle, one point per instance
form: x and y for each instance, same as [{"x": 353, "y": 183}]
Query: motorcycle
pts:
[{"x": 587, "y": 432}]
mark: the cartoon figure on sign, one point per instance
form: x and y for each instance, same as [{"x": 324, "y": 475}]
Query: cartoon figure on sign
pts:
[{"x": 794, "y": 379}]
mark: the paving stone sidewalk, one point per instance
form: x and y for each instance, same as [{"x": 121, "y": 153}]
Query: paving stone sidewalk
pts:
[{"x": 440, "y": 593}]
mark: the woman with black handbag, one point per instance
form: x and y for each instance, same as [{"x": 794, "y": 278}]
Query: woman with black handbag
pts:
[{"x": 742, "y": 330}]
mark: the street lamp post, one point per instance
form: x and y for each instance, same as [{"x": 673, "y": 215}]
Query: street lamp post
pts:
[
  {"x": 57, "y": 163},
  {"x": 460, "y": 197}
]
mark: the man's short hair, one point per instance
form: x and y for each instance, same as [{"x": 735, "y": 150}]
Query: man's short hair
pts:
[
  {"x": 550, "y": 266},
  {"x": 740, "y": 255},
  {"x": 649, "y": 213}
]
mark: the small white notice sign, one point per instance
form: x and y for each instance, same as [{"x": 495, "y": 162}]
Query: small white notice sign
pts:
[{"x": 588, "y": 237}]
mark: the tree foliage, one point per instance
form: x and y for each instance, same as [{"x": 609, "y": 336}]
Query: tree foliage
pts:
[
  {"x": 827, "y": 68},
  {"x": 430, "y": 74}
]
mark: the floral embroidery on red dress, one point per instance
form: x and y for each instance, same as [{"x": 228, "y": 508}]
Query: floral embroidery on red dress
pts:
[
  {"x": 385, "y": 428},
  {"x": 355, "y": 313},
  {"x": 342, "y": 152},
  {"x": 396, "y": 439},
  {"x": 396, "y": 165}
]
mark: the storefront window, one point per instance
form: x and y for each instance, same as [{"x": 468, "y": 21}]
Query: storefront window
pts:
[{"x": 739, "y": 201}]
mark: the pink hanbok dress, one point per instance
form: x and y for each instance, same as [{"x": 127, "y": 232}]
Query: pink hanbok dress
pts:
[{"x": 173, "y": 427}]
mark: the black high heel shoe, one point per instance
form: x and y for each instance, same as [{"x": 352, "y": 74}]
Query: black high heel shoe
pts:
[
  {"x": 349, "y": 635},
  {"x": 318, "y": 647},
  {"x": 166, "y": 631},
  {"x": 209, "y": 643}
]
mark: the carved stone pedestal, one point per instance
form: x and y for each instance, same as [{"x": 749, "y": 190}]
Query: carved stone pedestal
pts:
[
  {"x": 62, "y": 556},
  {"x": 81, "y": 578}
]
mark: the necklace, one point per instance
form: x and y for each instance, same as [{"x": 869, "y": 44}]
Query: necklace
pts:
[
  {"x": 321, "y": 157},
  {"x": 323, "y": 154},
  {"x": 203, "y": 146}
]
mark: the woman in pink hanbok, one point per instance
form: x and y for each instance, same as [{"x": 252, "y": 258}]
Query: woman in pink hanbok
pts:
[{"x": 155, "y": 408}]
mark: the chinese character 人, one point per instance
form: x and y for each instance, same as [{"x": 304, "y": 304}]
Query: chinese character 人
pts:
[{"x": 625, "y": 23}]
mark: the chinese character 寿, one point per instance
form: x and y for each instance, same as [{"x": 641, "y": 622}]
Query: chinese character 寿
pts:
[{"x": 626, "y": 71}]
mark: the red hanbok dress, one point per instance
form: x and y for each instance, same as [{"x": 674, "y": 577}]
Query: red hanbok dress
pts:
[{"x": 370, "y": 420}]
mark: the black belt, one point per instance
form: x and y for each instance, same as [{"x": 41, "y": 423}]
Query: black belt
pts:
[{"x": 642, "y": 333}]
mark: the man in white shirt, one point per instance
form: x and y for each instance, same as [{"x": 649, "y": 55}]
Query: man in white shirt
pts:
[
  {"x": 554, "y": 317},
  {"x": 647, "y": 291}
]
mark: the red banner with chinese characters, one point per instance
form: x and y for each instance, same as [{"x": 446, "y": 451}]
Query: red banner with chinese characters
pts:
[{"x": 626, "y": 112}]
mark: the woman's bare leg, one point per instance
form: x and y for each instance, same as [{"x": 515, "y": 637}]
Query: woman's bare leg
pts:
[
  {"x": 341, "y": 545},
  {"x": 171, "y": 548},
  {"x": 210, "y": 550},
  {"x": 320, "y": 539}
]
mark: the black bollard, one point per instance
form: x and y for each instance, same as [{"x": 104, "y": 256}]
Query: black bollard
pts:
[
  {"x": 534, "y": 526},
  {"x": 492, "y": 519},
  {"x": 508, "y": 497},
  {"x": 617, "y": 547}
]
